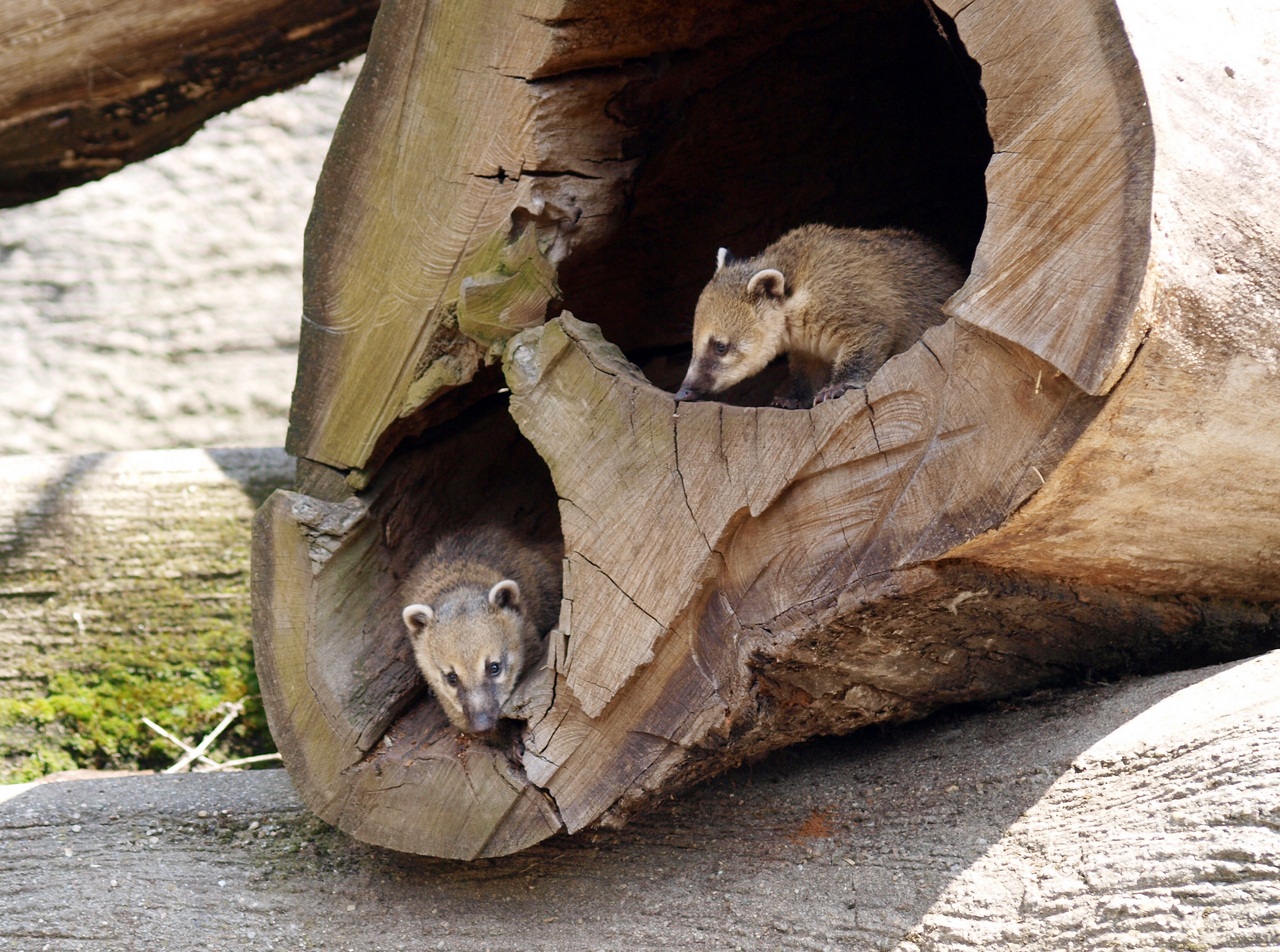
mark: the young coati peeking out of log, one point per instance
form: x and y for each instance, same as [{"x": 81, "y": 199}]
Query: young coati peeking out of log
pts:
[
  {"x": 482, "y": 602},
  {"x": 838, "y": 302}
]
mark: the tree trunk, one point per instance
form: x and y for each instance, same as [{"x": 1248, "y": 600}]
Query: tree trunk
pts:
[
  {"x": 87, "y": 86},
  {"x": 1065, "y": 478}
]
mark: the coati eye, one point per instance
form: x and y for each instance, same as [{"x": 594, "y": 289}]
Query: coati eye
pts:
[
  {"x": 494, "y": 668},
  {"x": 721, "y": 347},
  {"x": 452, "y": 678}
]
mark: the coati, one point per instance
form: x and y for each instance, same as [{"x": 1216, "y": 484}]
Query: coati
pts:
[
  {"x": 481, "y": 602},
  {"x": 838, "y": 302}
]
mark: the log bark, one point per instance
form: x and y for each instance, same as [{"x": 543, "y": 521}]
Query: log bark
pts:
[
  {"x": 1134, "y": 815},
  {"x": 1035, "y": 492},
  {"x": 88, "y": 86}
]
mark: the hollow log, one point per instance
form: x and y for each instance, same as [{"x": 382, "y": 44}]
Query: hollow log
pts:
[
  {"x": 88, "y": 86},
  {"x": 1074, "y": 475}
]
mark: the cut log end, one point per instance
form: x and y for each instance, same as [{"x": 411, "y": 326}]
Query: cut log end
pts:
[{"x": 737, "y": 577}]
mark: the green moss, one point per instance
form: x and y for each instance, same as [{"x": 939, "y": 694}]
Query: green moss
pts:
[
  {"x": 145, "y": 624},
  {"x": 87, "y": 710}
]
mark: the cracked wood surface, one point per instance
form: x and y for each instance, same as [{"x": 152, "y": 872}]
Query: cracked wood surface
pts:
[
  {"x": 418, "y": 193},
  {"x": 688, "y": 594},
  {"x": 1182, "y": 467},
  {"x": 674, "y": 515},
  {"x": 362, "y": 764},
  {"x": 87, "y": 86},
  {"x": 1069, "y": 186}
]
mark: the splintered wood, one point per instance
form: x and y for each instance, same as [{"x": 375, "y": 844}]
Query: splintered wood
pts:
[
  {"x": 739, "y": 577},
  {"x": 415, "y": 227},
  {"x": 716, "y": 527}
]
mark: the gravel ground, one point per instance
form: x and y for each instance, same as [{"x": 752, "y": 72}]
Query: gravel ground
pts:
[{"x": 160, "y": 307}]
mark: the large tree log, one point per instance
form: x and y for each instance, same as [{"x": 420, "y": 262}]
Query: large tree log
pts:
[
  {"x": 87, "y": 86},
  {"x": 1015, "y": 500}
]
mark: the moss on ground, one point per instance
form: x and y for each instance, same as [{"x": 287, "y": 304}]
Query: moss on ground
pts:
[
  {"x": 86, "y": 711},
  {"x": 109, "y": 621}
]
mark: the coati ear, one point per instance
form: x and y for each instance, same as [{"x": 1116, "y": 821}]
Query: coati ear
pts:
[
  {"x": 506, "y": 594},
  {"x": 722, "y": 258},
  {"x": 767, "y": 283},
  {"x": 417, "y": 617}
]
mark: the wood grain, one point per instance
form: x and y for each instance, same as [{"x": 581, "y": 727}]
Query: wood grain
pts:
[
  {"x": 124, "y": 541},
  {"x": 1069, "y": 186},
  {"x": 124, "y": 592},
  {"x": 1139, "y": 813},
  {"x": 1183, "y": 466},
  {"x": 415, "y": 198},
  {"x": 711, "y": 527}
]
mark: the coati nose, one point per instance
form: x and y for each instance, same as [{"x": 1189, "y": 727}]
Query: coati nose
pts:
[
  {"x": 687, "y": 394},
  {"x": 482, "y": 722}
]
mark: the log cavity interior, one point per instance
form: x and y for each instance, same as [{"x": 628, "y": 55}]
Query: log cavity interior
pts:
[
  {"x": 477, "y": 469},
  {"x": 506, "y": 483},
  {"x": 851, "y": 114}
]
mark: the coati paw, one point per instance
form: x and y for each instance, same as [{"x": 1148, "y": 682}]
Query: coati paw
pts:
[
  {"x": 832, "y": 393},
  {"x": 788, "y": 403}
]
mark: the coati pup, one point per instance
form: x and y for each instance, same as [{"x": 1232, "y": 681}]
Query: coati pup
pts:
[
  {"x": 481, "y": 603},
  {"x": 838, "y": 302}
]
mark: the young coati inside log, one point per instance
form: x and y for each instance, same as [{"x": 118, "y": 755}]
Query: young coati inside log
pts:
[
  {"x": 838, "y": 302},
  {"x": 482, "y": 601}
]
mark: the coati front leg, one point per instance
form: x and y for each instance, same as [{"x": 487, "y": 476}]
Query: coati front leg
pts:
[
  {"x": 853, "y": 369},
  {"x": 805, "y": 375}
]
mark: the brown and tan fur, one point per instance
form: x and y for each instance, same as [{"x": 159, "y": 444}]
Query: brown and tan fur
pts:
[
  {"x": 480, "y": 605},
  {"x": 839, "y": 302}
]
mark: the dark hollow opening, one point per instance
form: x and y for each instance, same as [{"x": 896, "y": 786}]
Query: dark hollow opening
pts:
[
  {"x": 475, "y": 470},
  {"x": 851, "y": 114}
]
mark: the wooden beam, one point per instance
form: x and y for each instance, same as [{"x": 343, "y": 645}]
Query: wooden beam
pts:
[
  {"x": 1143, "y": 808},
  {"x": 87, "y": 86},
  {"x": 111, "y": 562}
]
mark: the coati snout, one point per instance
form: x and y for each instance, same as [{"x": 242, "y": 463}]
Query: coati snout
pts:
[
  {"x": 737, "y": 330},
  {"x": 483, "y": 601}
]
